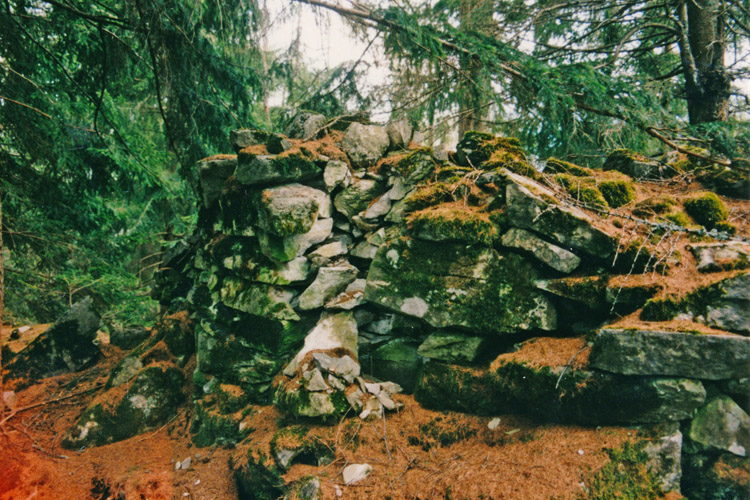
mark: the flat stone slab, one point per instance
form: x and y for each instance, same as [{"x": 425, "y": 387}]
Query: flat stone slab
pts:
[
  {"x": 555, "y": 257},
  {"x": 713, "y": 257},
  {"x": 680, "y": 354}
]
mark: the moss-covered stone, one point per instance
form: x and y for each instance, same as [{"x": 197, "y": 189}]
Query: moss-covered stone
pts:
[
  {"x": 485, "y": 151},
  {"x": 706, "y": 209},
  {"x": 626, "y": 476},
  {"x": 261, "y": 170},
  {"x": 451, "y": 387},
  {"x": 415, "y": 166},
  {"x": 617, "y": 192},
  {"x": 448, "y": 222},
  {"x": 655, "y": 205},
  {"x": 634, "y": 164},
  {"x": 731, "y": 181},
  {"x": 396, "y": 361},
  {"x": 557, "y": 166},
  {"x": 258, "y": 479},
  {"x": 716, "y": 477},
  {"x": 210, "y": 426},
  {"x": 443, "y": 431}
]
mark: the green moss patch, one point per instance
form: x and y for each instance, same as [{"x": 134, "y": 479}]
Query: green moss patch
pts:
[
  {"x": 443, "y": 431},
  {"x": 625, "y": 477},
  {"x": 556, "y": 166},
  {"x": 617, "y": 192},
  {"x": 706, "y": 209},
  {"x": 453, "y": 222}
]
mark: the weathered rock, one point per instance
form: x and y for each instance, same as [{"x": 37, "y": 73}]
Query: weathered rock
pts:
[
  {"x": 305, "y": 125},
  {"x": 365, "y": 144},
  {"x": 589, "y": 397},
  {"x": 633, "y": 164},
  {"x": 678, "y": 354},
  {"x": 309, "y": 489},
  {"x": 452, "y": 284},
  {"x": 399, "y": 133},
  {"x": 378, "y": 208},
  {"x": 552, "y": 255},
  {"x": 291, "y": 209},
  {"x": 152, "y": 399},
  {"x": 396, "y": 361},
  {"x": 213, "y": 173},
  {"x": 66, "y": 346},
  {"x": 357, "y": 196},
  {"x": 664, "y": 456},
  {"x": 277, "y": 144},
  {"x": 291, "y": 445},
  {"x": 355, "y": 473},
  {"x": 333, "y": 331},
  {"x": 327, "y": 284},
  {"x": 721, "y": 425},
  {"x": 127, "y": 337},
  {"x": 315, "y": 382},
  {"x": 533, "y": 206},
  {"x": 714, "y": 257},
  {"x": 266, "y": 169},
  {"x": 588, "y": 290},
  {"x": 458, "y": 388},
  {"x": 336, "y": 174},
  {"x": 344, "y": 367},
  {"x": 451, "y": 347},
  {"x": 259, "y": 299},
  {"x": 324, "y": 254},
  {"x": 365, "y": 250},
  {"x": 351, "y": 297},
  {"x": 243, "y": 138},
  {"x": 730, "y": 310},
  {"x": 739, "y": 390},
  {"x": 287, "y": 248}
]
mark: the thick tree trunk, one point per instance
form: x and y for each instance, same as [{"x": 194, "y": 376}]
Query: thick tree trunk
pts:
[
  {"x": 707, "y": 83},
  {"x": 2, "y": 307},
  {"x": 474, "y": 15}
]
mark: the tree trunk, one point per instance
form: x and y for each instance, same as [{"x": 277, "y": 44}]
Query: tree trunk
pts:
[
  {"x": 707, "y": 83},
  {"x": 474, "y": 15},
  {"x": 2, "y": 306}
]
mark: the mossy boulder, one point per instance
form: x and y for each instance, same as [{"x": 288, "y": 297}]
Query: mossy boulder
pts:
[
  {"x": 210, "y": 426},
  {"x": 721, "y": 425},
  {"x": 557, "y": 166},
  {"x": 365, "y": 144},
  {"x": 291, "y": 209},
  {"x": 357, "y": 196},
  {"x": 414, "y": 166},
  {"x": 636, "y": 165},
  {"x": 443, "y": 386},
  {"x": 257, "y": 478},
  {"x": 731, "y": 180},
  {"x": 291, "y": 445},
  {"x": 150, "y": 401},
  {"x": 485, "y": 151},
  {"x": 284, "y": 249},
  {"x": 706, "y": 209},
  {"x": 458, "y": 285},
  {"x": 452, "y": 223},
  {"x": 257, "y": 298},
  {"x": 396, "y": 361},
  {"x": 213, "y": 173},
  {"x": 716, "y": 477},
  {"x": 255, "y": 169},
  {"x": 67, "y": 346}
]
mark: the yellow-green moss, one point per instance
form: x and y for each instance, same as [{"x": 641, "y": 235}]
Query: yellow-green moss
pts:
[
  {"x": 617, "y": 192},
  {"x": 726, "y": 227},
  {"x": 557, "y": 166},
  {"x": 443, "y": 223},
  {"x": 679, "y": 217},
  {"x": 583, "y": 189},
  {"x": 706, "y": 209},
  {"x": 655, "y": 205},
  {"x": 625, "y": 477}
]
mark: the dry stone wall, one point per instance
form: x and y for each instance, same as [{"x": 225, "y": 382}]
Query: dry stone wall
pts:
[{"x": 331, "y": 272}]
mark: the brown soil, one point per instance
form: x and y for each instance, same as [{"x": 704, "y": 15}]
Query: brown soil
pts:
[{"x": 520, "y": 459}]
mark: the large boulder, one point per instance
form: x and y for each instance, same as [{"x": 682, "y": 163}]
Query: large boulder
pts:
[
  {"x": 287, "y": 248},
  {"x": 555, "y": 257},
  {"x": 255, "y": 169},
  {"x": 291, "y": 209},
  {"x": 327, "y": 284},
  {"x": 365, "y": 144},
  {"x": 305, "y": 125},
  {"x": 534, "y": 207},
  {"x": 451, "y": 347},
  {"x": 677, "y": 354},
  {"x": 458, "y": 285},
  {"x": 357, "y": 196},
  {"x": 721, "y": 425},
  {"x": 69, "y": 345}
]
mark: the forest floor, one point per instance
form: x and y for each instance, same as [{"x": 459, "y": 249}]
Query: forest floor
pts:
[{"x": 518, "y": 459}]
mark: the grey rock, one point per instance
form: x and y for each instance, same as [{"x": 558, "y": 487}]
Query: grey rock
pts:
[
  {"x": 399, "y": 189},
  {"x": 284, "y": 249},
  {"x": 448, "y": 284},
  {"x": 371, "y": 406},
  {"x": 721, "y": 425},
  {"x": 557, "y": 258},
  {"x": 399, "y": 133},
  {"x": 333, "y": 331},
  {"x": 533, "y": 206},
  {"x": 246, "y": 137},
  {"x": 385, "y": 400},
  {"x": 291, "y": 209},
  {"x": 451, "y": 347},
  {"x": 380, "y": 207},
  {"x": 259, "y": 299},
  {"x": 664, "y": 458},
  {"x": 309, "y": 489},
  {"x": 714, "y": 257},
  {"x": 67, "y": 346},
  {"x": 334, "y": 382},
  {"x": 355, "y": 473},
  {"x": 304, "y": 125},
  {"x": 324, "y": 254},
  {"x": 730, "y": 310},
  {"x": 269, "y": 169},
  {"x": 365, "y": 144},
  {"x": 277, "y": 144},
  {"x": 316, "y": 382},
  {"x": 319, "y": 405},
  {"x": 344, "y": 367},
  {"x": 354, "y": 399},
  {"x": 327, "y": 284},
  {"x": 213, "y": 174},
  {"x": 679, "y": 354},
  {"x": 357, "y": 196},
  {"x": 336, "y": 174},
  {"x": 350, "y": 298},
  {"x": 126, "y": 370}
]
